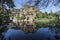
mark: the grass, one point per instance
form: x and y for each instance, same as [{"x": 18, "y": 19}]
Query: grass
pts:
[
  {"x": 51, "y": 22},
  {"x": 43, "y": 20}
]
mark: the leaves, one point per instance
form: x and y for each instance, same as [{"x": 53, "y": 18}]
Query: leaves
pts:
[
  {"x": 43, "y": 3},
  {"x": 9, "y": 3},
  {"x": 3, "y": 15}
]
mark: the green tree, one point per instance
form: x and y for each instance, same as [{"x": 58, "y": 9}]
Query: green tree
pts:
[
  {"x": 10, "y": 4},
  {"x": 3, "y": 14},
  {"x": 43, "y": 3}
]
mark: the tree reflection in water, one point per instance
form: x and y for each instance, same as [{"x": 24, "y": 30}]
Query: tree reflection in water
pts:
[
  {"x": 28, "y": 27},
  {"x": 57, "y": 32}
]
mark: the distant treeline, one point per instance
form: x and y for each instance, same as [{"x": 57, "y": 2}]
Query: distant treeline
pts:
[{"x": 48, "y": 19}]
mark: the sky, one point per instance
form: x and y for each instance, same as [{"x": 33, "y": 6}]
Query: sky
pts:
[{"x": 19, "y": 3}]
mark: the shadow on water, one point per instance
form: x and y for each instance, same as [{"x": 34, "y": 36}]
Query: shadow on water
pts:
[
  {"x": 3, "y": 29},
  {"x": 29, "y": 31}
]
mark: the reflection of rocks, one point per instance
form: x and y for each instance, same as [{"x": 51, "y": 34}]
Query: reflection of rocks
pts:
[{"x": 29, "y": 27}]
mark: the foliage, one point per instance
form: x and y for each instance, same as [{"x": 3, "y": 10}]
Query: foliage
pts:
[
  {"x": 43, "y": 3},
  {"x": 4, "y": 12},
  {"x": 9, "y": 3},
  {"x": 47, "y": 19},
  {"x": 3, "y": 15},
  {"x": 21, "y": 18}
]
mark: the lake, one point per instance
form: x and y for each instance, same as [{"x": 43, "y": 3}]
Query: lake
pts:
[
  {"x": 32, "y": 32},
  {"x": 40, "y": 34}
]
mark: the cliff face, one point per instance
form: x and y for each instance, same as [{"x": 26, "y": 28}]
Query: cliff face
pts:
[{"x": 29, "y": 12}]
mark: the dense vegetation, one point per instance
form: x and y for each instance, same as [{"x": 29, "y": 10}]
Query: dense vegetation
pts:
[
  {"x": 41, "y": 18},
  {"x": 48, "y": 19},
  {"x": 3, "y": 16},
  {"x": 4, "y": 12}
]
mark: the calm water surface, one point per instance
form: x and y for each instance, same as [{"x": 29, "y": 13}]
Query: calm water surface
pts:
[
  {"x": 40, "y": 34},
  {"x": 32, "y": 32}
]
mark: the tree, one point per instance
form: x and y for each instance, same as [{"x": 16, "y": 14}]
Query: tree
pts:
[
  {"x": 9, "y": 3},
  {"x": 4, "y": 4},
  {"x": 54, "y": 2},
  {"x": 2, "y": 16},
  {"x": 43, "y": 3}
]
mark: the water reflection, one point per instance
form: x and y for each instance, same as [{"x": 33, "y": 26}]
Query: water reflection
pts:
[
  {"x": 29, "y": 31},
  {"x": 27, "y": 27},
  {"x": 41, "y": 34}
]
